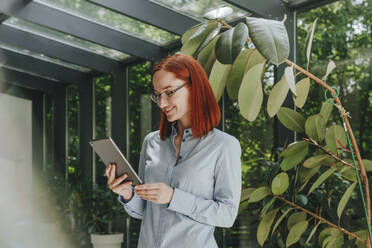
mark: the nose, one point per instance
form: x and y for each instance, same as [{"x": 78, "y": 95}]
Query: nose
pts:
[{"x": 162, "y": 102}]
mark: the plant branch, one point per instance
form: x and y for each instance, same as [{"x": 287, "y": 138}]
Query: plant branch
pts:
[
  {"x": 347, "y": 127},
  {"x": 321, "y": 219},
  {"x": 350, "y": 132},
  {"x": 329, "y": 153}
]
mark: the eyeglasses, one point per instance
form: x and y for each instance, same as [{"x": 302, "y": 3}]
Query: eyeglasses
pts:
[{"x": 168, "y": 93}]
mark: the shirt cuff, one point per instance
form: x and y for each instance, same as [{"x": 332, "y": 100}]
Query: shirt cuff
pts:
[
  {"x": 182, "y": 202},
  {"x": 132, "y": 203}
]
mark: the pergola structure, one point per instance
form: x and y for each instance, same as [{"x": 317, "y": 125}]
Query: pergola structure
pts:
[{"x": 46, "y": 46}]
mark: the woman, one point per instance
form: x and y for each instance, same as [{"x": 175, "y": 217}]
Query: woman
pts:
[{"x": 191, "y": 170}]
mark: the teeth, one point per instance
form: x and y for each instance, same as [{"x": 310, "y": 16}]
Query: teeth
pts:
[{"x": 167, "y": 110}]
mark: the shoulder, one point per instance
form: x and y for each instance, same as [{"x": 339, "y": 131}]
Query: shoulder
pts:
[{"x": 224, "y": 139}]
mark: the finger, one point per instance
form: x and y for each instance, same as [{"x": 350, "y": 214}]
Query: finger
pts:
[
  {"x": 147, "y": 191},
  {"x": 117, "y": 181},
  {"x": 147, "y": 186},
  {"x": 147, "y": 198},
  {"x": 125, "y": 185},
  {"x": 111, "y": 175},
  {"x": 152, "y": 194},
  {"x": 108, "y": 167}
]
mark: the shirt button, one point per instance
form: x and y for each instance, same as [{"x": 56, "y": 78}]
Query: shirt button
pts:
[
  {"x": 183, "y": 140},
  {"x": 180, "y": 157},
  {"x": 187, "y": 131}
]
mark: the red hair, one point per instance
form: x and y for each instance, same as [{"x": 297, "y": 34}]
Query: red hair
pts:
[{"x": 205, "y": 112}]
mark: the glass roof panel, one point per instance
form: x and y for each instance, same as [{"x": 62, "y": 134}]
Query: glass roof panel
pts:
[
  {"x": 113, "y": 20},
  {"x": 43, "y": 57},
  {"x": 198, "y": 8},
  {"x": 65, "y": 38}
]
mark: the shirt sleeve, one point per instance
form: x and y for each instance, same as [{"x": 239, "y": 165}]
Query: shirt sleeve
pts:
[
  {"x": 222, "y": 210},
  {"x": 136, "y": 206}
]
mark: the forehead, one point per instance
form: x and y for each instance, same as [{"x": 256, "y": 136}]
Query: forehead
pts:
[{"x": 164, "y": 79}]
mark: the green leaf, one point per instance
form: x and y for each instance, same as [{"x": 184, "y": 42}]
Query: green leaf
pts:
[
  {"x": 315, "y": 127},
  {"x": 321, "y": 179},
  {"x": 218, "y": 78},
  {"x": 367, "y": 164},
  {"x": 326, "y": 110},
  {"x": 330, "y": 67},
  {"x": 314, "y": 161},
  {"x": 270, "y": 38},
  {"x": 265, "y": 226},
  {"x": 280, "y": 183},
  {"x": 246, "y": 193},
  {"x": 344, "y": 199},
  {"x": 310, "y": 42},
  {"x": 302, "y": 199},
  {"x": 277, "y": 96},
  {"x": 215, "y": 30},
  {"x": 294, "y": 148},
  {"x": 348, "y": 173},
  {"x": 231, "y": 43},
  {"x": 250, "y": 94},
  {"x": 207, "y": 57},
  {"x": 186, "y": 36},
  {"x": 259, "y": 193},
  {"x": 243, "y": 206},
  {"x": 296, "y": 232},
  {"x": 363, "y": 235},
  {"x": 295, "y": 218},
  {"x": 267, "y": 206},
  {"x": 245, "y": 61},
  {"x": 305, "y": 173},
  {"x": 302, "y": 90},
  {"x": 289, "y": 76},
  {"x": 334, "y": 133},
  {"x": 294, "y": 154},
  {"x": 312, "y": 233},
  {"x": 197, "y": 38},
  {"x": 281, "y": 218},
  {"x": 291, "y": 119},
  {"x": 237, "y": 72}
]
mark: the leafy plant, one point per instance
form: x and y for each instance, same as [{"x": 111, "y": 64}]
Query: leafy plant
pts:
[
  {"x": 104, "y": 209},
  {"x": 231, "y": 64}
]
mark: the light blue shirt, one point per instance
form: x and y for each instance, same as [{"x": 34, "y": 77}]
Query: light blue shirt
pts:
[{"x": 207, "y": 188}]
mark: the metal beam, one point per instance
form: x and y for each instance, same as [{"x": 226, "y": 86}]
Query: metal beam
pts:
[
  {"x": 27, "y": 81},
  {"x": 119, "y": 94},
  {"x": 3, "y": 18},
  {"x": 161, "y": 17},
  {"x": 55, "y": 49},
  {"x": 85, "y": 29},
  {"x": 306, "y": 5},
  {"x": 41, "y": 67},
  {"x": 59, "y": 129},
  {"x": 37, "y": 135},
  {"x": 17, "y": 91},
  {"x": 269, "y": 9},
  {"x": 86, "y": 130}
]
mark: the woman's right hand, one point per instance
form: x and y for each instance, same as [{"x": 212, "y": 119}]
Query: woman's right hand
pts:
[{"x": 123, "y": 189}]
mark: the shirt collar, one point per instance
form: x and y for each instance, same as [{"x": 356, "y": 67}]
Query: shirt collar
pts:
[{"x": 186, "y": 133}]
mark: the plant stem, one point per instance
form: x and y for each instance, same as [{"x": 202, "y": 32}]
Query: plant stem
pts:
[
  {"x": 329, "y": 153},
  {"x": 353, "y": 141},
  {"x": 321, "y": 219}
]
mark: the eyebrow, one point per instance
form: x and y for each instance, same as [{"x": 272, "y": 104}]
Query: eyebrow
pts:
[{"x": 164, "y": 88}]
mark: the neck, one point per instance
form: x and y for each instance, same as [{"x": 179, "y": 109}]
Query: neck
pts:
[{"x": 182, "y": 125}]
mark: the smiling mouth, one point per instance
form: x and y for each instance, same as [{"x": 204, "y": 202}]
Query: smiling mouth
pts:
[{"x": 167, "y": 112}]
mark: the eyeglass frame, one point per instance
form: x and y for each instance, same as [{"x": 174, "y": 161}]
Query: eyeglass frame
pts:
[{"x": 156, "y": 97}]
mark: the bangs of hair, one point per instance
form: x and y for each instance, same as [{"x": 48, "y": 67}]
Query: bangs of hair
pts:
[{"x": 205, "y": 112}]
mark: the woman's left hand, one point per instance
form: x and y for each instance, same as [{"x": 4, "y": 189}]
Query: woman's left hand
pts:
[{"x": 156, "y": 192}]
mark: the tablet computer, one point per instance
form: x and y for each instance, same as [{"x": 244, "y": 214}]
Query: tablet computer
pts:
[{"x": 108, "y": 151}]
